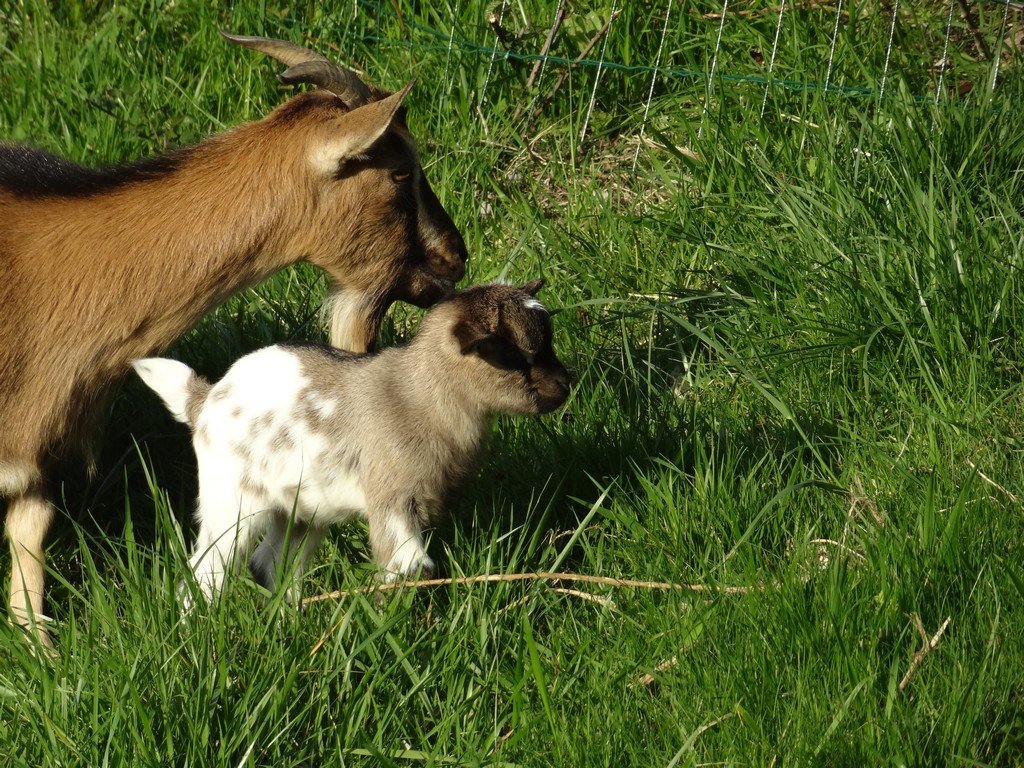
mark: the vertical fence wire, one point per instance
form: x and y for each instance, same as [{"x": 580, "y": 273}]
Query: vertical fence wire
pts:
[
  {"x": 597, "y": 75},
  {"x": 888, "y": 51},
  {"x": 714, "y": 67},
  {"x": 945, "y": 50},
  {"x": 999, "y": 47},
  {"x": 448, "y": 60},
  {"x": 771, "y": 62},
  {"x": 650, "y": 93},
  {"x": 494, "y": 56},
  {"x": 832, "y": 47}
]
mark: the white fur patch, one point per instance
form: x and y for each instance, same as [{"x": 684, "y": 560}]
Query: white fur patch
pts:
[
  {"x": 15, "y": 477},
  {"x": 323, "y": 406},
  {"x": 326, "y": 158},
  {"x": 409, "y": 557},
  {"x": 533, "y": 303},
  {"x": 348, "y": 319},
  {"x": 258, "y": 393}
]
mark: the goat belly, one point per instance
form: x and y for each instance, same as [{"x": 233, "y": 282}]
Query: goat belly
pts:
[{"x": 328, "y": 498}]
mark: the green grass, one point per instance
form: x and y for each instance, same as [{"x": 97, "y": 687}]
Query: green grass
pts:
[{"x": 798, "y": 363}]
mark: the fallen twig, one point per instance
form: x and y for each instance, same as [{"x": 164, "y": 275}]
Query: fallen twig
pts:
[
  {"x": 684, "y": 151},
  {"x": 979, "y": 41},
  {"x": 688, "y": 746},
  {"x": 564, "y": 74},
  {"x": 488, "y": 578},
  {"x": 502, "y": 739},
  {"x": 926, "y": 648},
  {"x": 514, "y": 604},
  {"x": 992, "y": 482},
  {"x": 648, "y": 678},
  {"x": 559, "y": 18},
  {"x": 398, "y": 15},
  {"x": 709, "y": 725},
  {"x": 507, "y": 39},
  {"x": 605, "y": 601}
]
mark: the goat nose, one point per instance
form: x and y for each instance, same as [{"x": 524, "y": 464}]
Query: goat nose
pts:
[
  {"x": 458, "y": 270},
  {"x": 558, "y": 386},
  {"x": 563, "y": 379},
  {"x": 458, "y": 246},
  {"x": 449, "y": 263}
]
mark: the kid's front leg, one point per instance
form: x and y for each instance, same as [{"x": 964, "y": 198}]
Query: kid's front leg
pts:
[{"x": 396, "y": 536}]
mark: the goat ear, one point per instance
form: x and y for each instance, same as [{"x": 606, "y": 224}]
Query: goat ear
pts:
[
  {"x": 469, "y": 336},
  {"x": 363, "y": 127},
  {"x": 533, "y": 287}
]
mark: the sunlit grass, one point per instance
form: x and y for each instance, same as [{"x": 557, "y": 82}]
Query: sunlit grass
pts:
[{"x": 797, "y": 352}]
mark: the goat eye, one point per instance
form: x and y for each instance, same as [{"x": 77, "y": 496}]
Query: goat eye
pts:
[{"x": 400, "y": 177}]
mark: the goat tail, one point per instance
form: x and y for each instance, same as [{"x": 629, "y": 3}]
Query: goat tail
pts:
[{"x": 181, "y": 389}]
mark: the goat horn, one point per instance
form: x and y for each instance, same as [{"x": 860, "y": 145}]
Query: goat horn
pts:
[
  {"x": 306, "y": 66},
  {"x": 343, "y": 83}
]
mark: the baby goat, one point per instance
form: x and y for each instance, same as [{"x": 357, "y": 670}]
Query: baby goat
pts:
[
  {"x": 316, "y": 436},
  {"x": 99, "y": 267}
]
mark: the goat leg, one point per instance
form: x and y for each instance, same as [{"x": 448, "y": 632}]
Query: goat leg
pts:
[
  {"x": 28, "y": 519},
  {"x": 397, "y": 541}
]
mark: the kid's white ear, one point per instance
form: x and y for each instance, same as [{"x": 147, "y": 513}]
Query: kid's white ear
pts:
[
  {"x": 169, "y": 379},
  {"x": 363, "y": 127}
]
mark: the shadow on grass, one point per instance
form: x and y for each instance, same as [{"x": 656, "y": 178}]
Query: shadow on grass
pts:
[{"x": 540, "y": 478}]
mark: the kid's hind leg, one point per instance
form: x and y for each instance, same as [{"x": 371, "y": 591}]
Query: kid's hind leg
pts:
[
  {"x": 302, "y": 539},
  {"x": 28, "y": 519}
]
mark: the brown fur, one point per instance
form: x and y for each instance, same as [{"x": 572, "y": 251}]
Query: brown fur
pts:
[{"x": 115, "y": 265}]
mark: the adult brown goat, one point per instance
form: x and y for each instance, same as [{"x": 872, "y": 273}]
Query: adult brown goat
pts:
[{"x": 99, "y": 267}]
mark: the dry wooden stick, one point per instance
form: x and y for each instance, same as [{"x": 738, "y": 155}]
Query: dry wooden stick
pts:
[
  {"x": 709, "y": 725},
  {"x": 607, "y": 602},
  {"x": 564, "y": 74},
  {"x": 979, "y": 41},
  {"x": 506, "y": 38},
  {"x": 992, "y": 482},
  {"x": 488, "y": 578},
  {"x": 514, "y": 604},
  {"x": 648, "y": 678},
  {"x": 929, "y": 645},
  {"x": 398, "y": 15},
  {"x": 559, "y": 18}
]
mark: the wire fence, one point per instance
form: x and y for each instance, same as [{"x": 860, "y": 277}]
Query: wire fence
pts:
[{"x": 879, "y": 52}]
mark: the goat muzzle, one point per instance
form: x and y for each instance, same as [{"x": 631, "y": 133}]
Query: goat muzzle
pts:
[{"x": 551, "y": 388}]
